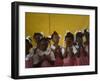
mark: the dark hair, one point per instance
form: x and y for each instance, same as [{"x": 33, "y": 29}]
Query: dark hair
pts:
[
  {"x": 79, "y": 34},
  {"x": 86, "y": 33},
  {"x": 69, "y": 35},
  {"x": 44, "y": 39},
  {"x": 30, "y": 44},
  {"x": 35, "y": 34},
  {"x": 54, "y": 33}
]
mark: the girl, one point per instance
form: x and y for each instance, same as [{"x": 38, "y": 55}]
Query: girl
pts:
[
  {"x": 28, "y": 56},
  {"x": 69, "y": 58},
  {"x": 44, "y": 55},
  {"x": 81, "y": 56},
  {"x": 57, "y": 50},
  {"x": 36, "y": 37},
  {"x": 86, "y": 43}
]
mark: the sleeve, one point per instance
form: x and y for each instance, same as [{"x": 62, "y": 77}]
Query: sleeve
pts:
[
  {"x": 35, "y": 56},
  {"x": 74, "y": 50},
  {"x": 30, "y": 55},
  {"x": 35, "y": 59},
  {"x": 31, "y": 51},
  {"x": 63, "y": 51},
  {"x": 53, "y": 47},
  {"x": 52, "y": 56}
]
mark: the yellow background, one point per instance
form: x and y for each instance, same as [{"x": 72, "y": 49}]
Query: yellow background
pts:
[{"x": 47, "y": 23}]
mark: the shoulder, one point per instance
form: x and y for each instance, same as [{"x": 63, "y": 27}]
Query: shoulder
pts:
[
  {"x": 48, "y": 51},
  {"x": 62, "y": 49},
  {"x": 28, "y": 56},
  {"x": 32, "y": 49},
  {"x": 53, "y": 47}
]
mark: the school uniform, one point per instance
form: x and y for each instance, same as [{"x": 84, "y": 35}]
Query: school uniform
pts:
[
  {"x": 69, "y": 60},
  {"x": 28, "y": 61},
  {"x": 39, "y": 61},
  {"x": 36, "y": 58},
  {"x": 48, "y": 53},
  {"x": 58, "y": 52},
  {"x": 86, "y": 47},
  {"x": 82, "y": 59}
]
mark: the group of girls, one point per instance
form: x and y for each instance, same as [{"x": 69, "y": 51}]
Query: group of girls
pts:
[{"x": 75, "y": 53}]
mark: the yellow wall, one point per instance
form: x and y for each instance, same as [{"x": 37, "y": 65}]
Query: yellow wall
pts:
[{"x": 47, "y": 23}]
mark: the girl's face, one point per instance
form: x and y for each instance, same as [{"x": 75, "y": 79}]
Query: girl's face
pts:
[
  {"x": 79, "y": 40},
  {"x": 43, "y": 45},
  {"x": 68, "y": 41},
  {"x": 55, "y": 39},
  {"x": 37, "y": 38}
]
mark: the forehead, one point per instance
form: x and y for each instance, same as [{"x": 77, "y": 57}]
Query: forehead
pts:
[
  {"x": 38, "y": 35},
  {"x": 43, "y": 42},
  {"x": 68, "y": 38},
  {"x": 78, "y": 37},
  {"x": 55, "y": 36}
]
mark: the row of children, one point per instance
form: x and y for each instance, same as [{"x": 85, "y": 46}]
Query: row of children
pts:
[{"x": 42, "y": 55}]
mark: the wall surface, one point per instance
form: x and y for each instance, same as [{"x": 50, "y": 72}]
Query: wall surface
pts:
[
  {"x": 5, "y": 40},
  {"x": 48, "y": 23}
]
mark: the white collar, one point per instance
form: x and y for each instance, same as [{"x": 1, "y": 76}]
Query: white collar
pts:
[{"x": 41, "y": 53}]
